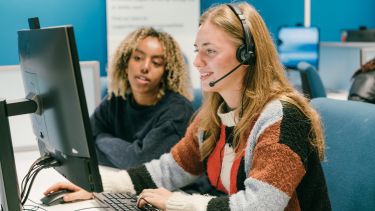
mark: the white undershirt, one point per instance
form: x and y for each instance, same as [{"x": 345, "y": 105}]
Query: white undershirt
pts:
[
  {"x": 229, "y": 119},
  {"x": 226, "y": 166}
]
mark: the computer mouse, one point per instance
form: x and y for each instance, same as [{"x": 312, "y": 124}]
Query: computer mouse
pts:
[{"x": 55, "y": 198}]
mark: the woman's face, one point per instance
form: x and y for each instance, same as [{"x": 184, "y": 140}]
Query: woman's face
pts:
[
  {"x": 146, "y": 68},
  {"x": 216, "y": 56}
]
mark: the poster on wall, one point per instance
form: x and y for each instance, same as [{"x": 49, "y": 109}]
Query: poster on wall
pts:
[{"x": 180, "y": 18}]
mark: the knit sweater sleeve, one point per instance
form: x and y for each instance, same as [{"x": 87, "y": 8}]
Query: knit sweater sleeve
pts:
[
  {"x": 277, "y": 148},
  {"x": 173, "y": 170}
]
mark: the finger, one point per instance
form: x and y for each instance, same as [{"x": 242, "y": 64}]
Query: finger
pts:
[
  {"x": 54, "y": 188},
  {"x": 140, "y": 202},
  {"x": 144, "y": 197},
  {"x": 154, "y": 201},
  {"x": 143, "y": 201},
  {"x": 61, "y": 185},
  {"x": 79, "y": 195}
]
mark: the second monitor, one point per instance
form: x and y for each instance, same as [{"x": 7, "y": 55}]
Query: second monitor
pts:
[{"x": 298, "y": 44}]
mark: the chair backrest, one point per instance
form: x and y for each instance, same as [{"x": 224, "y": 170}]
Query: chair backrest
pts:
[
  {"x": 103, "y": 86},
  {"x": 349, "y": 167},
  {"x": 198, "y": 97},
  {"x": 312, "y": 85}
]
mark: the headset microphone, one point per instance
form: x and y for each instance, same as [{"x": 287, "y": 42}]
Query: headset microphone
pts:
[{"x": 212, "y": 83}]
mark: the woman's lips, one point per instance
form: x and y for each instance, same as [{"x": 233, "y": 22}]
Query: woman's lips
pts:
[
  {"x": 204, "y": 76},
  {"x": 142, "y": 79}
]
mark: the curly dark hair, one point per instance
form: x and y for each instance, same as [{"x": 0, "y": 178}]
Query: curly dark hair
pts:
[{"x": 176, "y": 77}]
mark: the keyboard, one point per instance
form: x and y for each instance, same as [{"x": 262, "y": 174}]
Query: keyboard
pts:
[{"x": 120, "y": 201}]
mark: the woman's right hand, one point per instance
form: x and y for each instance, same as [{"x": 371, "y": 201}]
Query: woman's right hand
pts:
[{"x": 77, "y": 192}]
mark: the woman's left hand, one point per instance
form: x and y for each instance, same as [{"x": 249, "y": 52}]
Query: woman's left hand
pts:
[{"x": 156, "y": 197}]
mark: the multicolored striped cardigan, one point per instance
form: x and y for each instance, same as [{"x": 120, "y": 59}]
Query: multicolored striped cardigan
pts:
[{"x": 278, "y": 170}]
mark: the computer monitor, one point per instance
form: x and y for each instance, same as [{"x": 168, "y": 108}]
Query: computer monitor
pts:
[
  {"x": 11, "y": 87},
  {"x": 296, "y": 44},
  {"x": 51, "y": 71},
  {"x": 360, "y": 35}
]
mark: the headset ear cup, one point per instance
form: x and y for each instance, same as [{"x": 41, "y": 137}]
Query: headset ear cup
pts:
[{"x": 243, "y": 56}]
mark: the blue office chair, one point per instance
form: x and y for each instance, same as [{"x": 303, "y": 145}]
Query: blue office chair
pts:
[
  {"x": 349, "y": 167},
  {"x": 312, "y": 85},
  {"x": 103, "y": 86},
  {"x": 198, "y": 98}
]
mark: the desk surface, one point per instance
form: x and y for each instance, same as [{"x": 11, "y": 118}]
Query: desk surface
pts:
[{"x": 43, "y": 180}]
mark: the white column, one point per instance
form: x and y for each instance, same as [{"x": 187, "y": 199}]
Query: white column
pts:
[{"x": 307, "y": 18}]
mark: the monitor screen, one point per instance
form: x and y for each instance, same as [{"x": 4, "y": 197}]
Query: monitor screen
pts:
[
  {"x": 51, "y": 71},
  {"x": 297, "y": 44}
]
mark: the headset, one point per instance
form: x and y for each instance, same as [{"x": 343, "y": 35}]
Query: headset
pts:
[{"x": 245, "y": 54}]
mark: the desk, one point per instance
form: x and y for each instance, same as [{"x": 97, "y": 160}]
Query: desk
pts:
[{"x": 43, "y": 180}]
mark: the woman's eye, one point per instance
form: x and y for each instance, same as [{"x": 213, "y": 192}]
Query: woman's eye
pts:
[
  {"x": 136, "y": 58},
  {"x": 210, "y": 52},
  {"x": 157, "y": 63}
]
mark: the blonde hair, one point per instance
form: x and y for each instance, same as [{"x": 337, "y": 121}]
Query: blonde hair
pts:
[
  {"x": 176, "y": 77},
  {"x": 266, "y": 77}
]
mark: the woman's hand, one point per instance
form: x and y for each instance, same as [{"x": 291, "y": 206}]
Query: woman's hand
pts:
[
  {"x": 156, "y": 197},
  {"x": 77, "y": 192}
]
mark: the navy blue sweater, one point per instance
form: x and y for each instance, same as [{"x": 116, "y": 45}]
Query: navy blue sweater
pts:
[{"x": 127, "y": 134}]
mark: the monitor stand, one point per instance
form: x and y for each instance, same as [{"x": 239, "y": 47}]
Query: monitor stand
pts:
[{"x": 9, "y": 190}]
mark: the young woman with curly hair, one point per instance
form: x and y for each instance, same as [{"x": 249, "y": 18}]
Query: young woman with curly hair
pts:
[{"x": 148, "y": 105}]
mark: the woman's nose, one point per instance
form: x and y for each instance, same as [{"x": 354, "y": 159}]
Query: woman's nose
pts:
[
  {"x": 198, "y": 62},
  {"x": 145, "y": 67}
]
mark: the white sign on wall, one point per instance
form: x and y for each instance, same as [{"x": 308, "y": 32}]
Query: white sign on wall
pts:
[{"x": 180, "y": 18}]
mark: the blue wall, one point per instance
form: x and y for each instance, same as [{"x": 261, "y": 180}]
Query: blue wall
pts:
[
  {"x": 335, "y": 15},
  {"x": 88, "y": 19},
  {"x": 275, "y": 13},
  {"x": 330, "y": 16}
]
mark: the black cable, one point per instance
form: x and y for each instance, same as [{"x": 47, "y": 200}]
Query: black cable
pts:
[
  {"x": 35, "y": 168},
  {"x": 26, "y": 179},
  {"x": 36, "y": 163},
  {"x": 27, "y": 182},
  {"x": 30, "y": 185},
  {"x": 32, "y": 167},
  {"x": 28, "y": 176}
]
